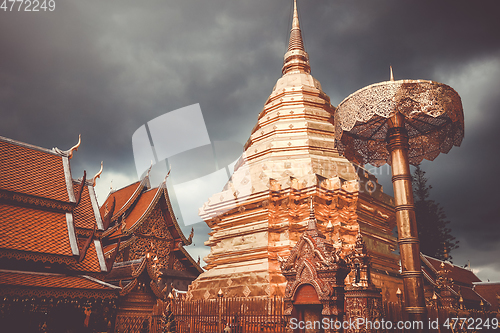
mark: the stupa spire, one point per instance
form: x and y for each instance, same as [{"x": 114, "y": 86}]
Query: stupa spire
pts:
[
  {"x": 296, "y": 57},
  {"x": 295, "y": 23},
  {"x": 295, "y": 42}
]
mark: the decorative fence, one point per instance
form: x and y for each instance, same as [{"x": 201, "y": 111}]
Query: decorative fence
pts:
[
  {"x": 248, "y": 315},
  {"x": 242, "y": 315},
  {"x": 150, "y": 323},
  {"x": 444, "y": 319}
]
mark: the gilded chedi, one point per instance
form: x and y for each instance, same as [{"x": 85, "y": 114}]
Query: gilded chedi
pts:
[{"x": 263, "y": 209}]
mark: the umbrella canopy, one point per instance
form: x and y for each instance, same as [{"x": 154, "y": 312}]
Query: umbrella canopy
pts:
[{"x": 433, "y": 118}]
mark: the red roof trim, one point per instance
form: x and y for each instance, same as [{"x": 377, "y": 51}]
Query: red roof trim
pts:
[
  {"x": 21, "y": 283},
  {"x": 105, "y": 284},
  {"x": 27, "y": 145},
  {"x": 32, "y": 200},
  {"x": 37, "y": 256},
  {"x": 39, "y": 281},
  {"x": 172, "y": 216},
  {"x": 191, "y": 260}
]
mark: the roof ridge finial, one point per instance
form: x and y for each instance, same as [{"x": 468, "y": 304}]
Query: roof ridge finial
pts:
[
  {"x": 98, "y": 175},
  {"x": 392, "y": 75},
  {"x": 75, "y": 147},
  {"x": 168, "y": 174}
]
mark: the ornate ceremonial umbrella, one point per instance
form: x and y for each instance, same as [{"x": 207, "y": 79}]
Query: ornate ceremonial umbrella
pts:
[{"x": 401, "y": 123}]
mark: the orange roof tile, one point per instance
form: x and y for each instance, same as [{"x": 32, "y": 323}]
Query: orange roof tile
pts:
[
  {"x": 48, "y": 280},
  {"x": 28, "y": 229},
  {"x": 144, "y": 206},
  {"x": 32, "y": 171},
  {"x": 83, "y": 214},
  {"x": 124, "y": 198},
  {"x": 143, "y": 203},
  {"x": 463, "y": 279},
  {"x": 489, "y": 291},
  {"x": 467, "y": 293},
  {"x": 91, "y": 261},
  {"x": 459, "y": 274},
  {"x": 146, "y": 200}
]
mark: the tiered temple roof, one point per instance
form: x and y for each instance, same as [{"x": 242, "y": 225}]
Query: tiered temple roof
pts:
[
  {"x": 57, "y": 244},
  {"x": 463, "y": 282},
  {"x": 50, "y": 221},
  {"x": 141, "y": 220},
  {"x": 489, "y": 291},
  {"x": 50, "y": 245},
  {"x": 151, "y": 261}
]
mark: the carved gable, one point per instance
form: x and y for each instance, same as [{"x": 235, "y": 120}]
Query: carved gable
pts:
[
  {"x": 314, "y": 261},
  {"x": 153, "y": 236}
]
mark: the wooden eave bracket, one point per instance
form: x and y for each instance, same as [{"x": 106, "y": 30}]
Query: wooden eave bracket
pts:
[
  {"x": 111, "y": 230},
  {"x": 80, "y": 189},
  {"x": 140, "y": 268},
  {"x": 128, "y": 288},
  {"x": 156, "y": 290},
  {"x": 108, "y": 214},
  {"x": 110, "y": 261}
]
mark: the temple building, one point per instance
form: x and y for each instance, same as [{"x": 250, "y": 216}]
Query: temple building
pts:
[
  {"x": 66, "y": 265},
  {"x": 151, "y": 261},
  {"x": 296, "y": 220},
  {"x": 51, "y": 256},
  {"x": 263, "y": 209},
  {"x": 455, "y": 286}
]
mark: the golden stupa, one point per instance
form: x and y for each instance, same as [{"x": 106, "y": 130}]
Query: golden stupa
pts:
[{"x": 264, "y": 208}]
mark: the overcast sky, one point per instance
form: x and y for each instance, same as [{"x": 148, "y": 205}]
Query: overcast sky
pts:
[{"x": 105, "y": 68}]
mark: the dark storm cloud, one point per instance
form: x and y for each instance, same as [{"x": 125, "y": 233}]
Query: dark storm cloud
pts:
[
  {"x": 103, "y": 69},
  {"x": 429, "y": 40},
  {"x": 356, "y": 41}
]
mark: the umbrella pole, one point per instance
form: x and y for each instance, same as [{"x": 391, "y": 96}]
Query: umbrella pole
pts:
[{"x": 409, "y": 248}]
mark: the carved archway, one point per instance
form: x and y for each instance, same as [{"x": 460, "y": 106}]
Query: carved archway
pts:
[
  {"x": 306, "y": 294},
  {"x": 307, "y": 307},
  {"x": 315, "y": 273}
]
